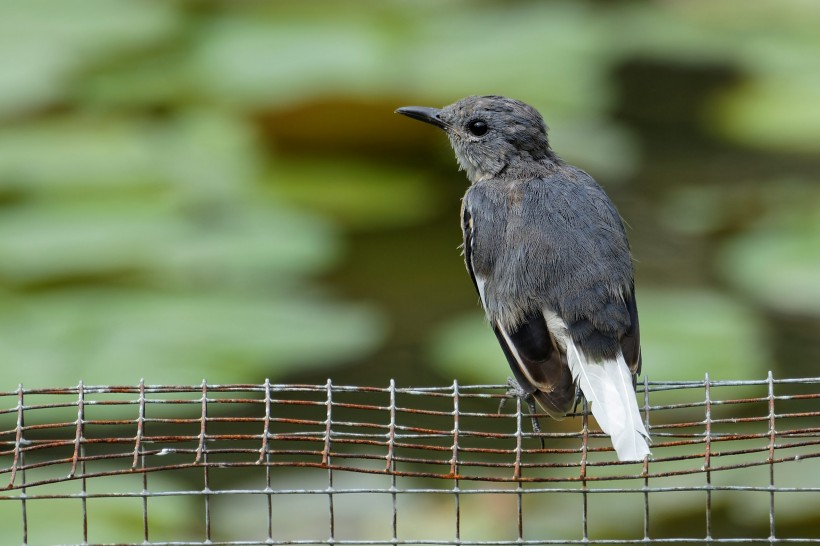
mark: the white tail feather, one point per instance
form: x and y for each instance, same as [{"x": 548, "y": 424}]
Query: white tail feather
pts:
[{"x": 607, "y": 386}]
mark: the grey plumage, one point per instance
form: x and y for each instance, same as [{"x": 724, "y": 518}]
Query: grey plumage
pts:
[
  {"x": 548, "y": 254},
  {"x": 582, "y": 271}
]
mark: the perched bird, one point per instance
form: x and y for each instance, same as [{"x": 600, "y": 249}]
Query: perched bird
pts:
[{"x": 549, "y": 257}]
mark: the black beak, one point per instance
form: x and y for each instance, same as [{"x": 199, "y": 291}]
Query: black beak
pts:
[{"x": 422, "y": 113}]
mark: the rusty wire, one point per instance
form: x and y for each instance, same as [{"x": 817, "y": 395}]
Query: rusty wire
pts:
[{"x": 427, "y": 441}]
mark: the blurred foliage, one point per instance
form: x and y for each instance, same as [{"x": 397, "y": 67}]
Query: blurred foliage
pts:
[
  {"x": 776, "y": 262},
  {"x": 220, "y": 189},
  {"x": 335, "y": 188}
]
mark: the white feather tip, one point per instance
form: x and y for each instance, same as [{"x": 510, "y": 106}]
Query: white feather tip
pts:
[{"x": 607, "y": 386}]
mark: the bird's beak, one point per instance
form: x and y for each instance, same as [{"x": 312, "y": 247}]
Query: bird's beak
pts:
[{"x": 422, "y": 113}]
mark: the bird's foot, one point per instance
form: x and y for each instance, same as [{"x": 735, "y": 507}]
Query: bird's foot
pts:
[
  {"x": 514, "y": 390},
  {"x": 579, "y": 397}
]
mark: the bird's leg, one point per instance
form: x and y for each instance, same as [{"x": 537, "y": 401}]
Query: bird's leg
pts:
[
  {"x": 579, "y": 396},
  {"x": 514, "y": 390}
]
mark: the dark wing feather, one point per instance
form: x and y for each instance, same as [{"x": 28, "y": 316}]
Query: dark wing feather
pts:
[
  {"x": 467, "y": 230},
  {"x": 631, "y": 340},
  {"x": 538, "y": 364}
]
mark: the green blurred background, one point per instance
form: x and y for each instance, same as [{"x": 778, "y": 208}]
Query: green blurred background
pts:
[{"x": 221, "y": 190}]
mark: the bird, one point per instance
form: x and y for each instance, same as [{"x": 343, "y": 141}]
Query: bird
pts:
[{"x": 549, "y": 257}]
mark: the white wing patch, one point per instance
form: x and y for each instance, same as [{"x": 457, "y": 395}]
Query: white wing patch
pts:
[
  {"x": 557, "y": 328},
  {"x": 480, "y": 281}
]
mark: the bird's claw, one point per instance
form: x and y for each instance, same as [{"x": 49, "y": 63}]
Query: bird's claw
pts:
[
  {"x": 579, "y": 396},
  {"x": 514, "y": 390}
]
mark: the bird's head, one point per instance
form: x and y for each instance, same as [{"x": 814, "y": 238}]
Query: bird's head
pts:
[{"x": 489, "y": 134}]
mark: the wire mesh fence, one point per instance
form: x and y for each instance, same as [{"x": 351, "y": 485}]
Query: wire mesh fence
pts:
[{"x": 732, "y": 461}]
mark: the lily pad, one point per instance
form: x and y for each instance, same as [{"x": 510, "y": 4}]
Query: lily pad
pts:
[
  {"x": 765, "y": 113},
  {"x": 258, "y": 61},
  {"x": 357, "y": 195},
  {"x": 45, "y": 44},
  {"x": 48, "y": 243},
  {"x": 119, "y": 336},
  {"x": 777, "y": 264},
  {"x": 196, "y": 154}
]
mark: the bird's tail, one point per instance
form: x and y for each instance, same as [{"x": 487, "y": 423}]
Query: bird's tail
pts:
[{"x": 607, "y": 386}]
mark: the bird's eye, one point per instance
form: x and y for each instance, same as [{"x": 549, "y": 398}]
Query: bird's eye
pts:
[{"x": 478, "y": 127}]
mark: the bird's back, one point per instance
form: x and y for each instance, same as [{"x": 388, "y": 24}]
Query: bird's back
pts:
[{"x": 553, "y": 242}]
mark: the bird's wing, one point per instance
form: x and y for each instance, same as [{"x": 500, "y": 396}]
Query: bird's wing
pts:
[
  {"x": 631, "y": 340},
  {"x": 538, "y": 365},
  {"x": 469, "y": 245}
]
